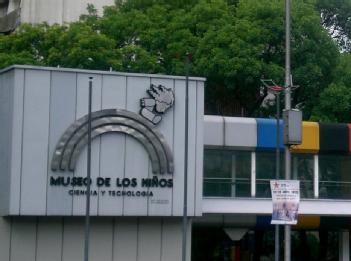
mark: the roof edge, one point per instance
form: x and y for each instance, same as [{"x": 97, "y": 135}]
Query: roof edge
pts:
[{"x": 62, "y": 69}]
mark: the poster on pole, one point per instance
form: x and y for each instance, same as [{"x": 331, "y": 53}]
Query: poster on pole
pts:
[{"x": 286, "y": 200}]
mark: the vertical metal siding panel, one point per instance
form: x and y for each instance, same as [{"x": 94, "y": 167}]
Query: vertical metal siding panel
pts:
[
  {"x": 6, "y": 88},
  {"x": 79, "y": 202},
  {"x": 171, "y": 239},
  {"x": 23, "y": 239},
  {"x": 101, "y": 240},
  {"x": 73, "y": 239},
  {"x": 35, "y": 142},
  {"x": 5, "y": 237},
  {"x": 199, "y": 147},
  {"x": 62, "y": 115},
  {"x": 192, "y": 148},
  {"x": 178, "y": 150},
  {"x": 167, "y": 129},
  {"x": 16, "y": 141},
  {"x": 49, "y": 241},
  {"x": 136, "y": 157},
  {"x": 125, "y": 239},
  {"x": 112, "y": 145},
  {"x": 149, "y": 240}
]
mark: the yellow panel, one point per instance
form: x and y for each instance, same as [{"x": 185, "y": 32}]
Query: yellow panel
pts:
[
  {"x": 310, "y": 138},
  {"x": 308, "y": 222}
]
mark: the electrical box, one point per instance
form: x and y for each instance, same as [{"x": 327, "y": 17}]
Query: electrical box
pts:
[{"x": 292, "y": 127}]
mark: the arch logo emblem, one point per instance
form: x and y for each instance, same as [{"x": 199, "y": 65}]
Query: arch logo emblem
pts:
[{"x": 140, "y": 127}]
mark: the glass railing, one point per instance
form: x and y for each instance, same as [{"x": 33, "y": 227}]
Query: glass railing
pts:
[
  {"x": 240, "y": 187},
  {"x": 226, "y": 187},
  {"x": 334, "y": 190}
]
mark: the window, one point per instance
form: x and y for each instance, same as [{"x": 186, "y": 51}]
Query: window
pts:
[
  {"x": 334, "y": 176},
  {"x": 265, "y": 171},
  {"x": 227, "y": 173},
  {"x": 303, "y": 170}
]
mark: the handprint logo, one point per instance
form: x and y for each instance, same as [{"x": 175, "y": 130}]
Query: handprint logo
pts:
[{"x": 162, "y": 99}]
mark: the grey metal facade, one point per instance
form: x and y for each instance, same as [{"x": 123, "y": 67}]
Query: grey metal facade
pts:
[{"x": 41, "y": 103}]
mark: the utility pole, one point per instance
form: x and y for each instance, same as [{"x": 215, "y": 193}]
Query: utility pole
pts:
[{"x": 287, "y": 228}]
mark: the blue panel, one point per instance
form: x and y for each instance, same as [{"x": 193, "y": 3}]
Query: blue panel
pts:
[
  {"x": 267, "y": 134},
  {"x": 263, "y": 221}
]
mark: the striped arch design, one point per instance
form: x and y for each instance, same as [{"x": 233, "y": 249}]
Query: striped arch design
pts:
[{"x": 112, "y": 120}]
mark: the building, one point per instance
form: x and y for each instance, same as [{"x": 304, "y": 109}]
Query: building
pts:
[
  {"x": 14, "y": 12},
  {"x": 138, "y": 173}
]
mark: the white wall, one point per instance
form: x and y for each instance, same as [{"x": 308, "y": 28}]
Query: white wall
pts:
[
  {"x": 57, "y": 11},
  {"x": 111, "y": 239}
]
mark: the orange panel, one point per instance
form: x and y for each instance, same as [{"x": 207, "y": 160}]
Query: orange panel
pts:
[
  {"x": 310, "y": 138},
  {"x": 308, "y": 222}
]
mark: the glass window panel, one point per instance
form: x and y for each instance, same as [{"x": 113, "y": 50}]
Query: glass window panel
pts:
[
  {"x": 227, "y": 173},
  {"x": 334, "y": 176},
  {"x": 265, "y": 171},
  {"x": 303, "y": 170}
]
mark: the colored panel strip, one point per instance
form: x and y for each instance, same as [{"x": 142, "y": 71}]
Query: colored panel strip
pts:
[
  {"x": 334, "y": 138},
  {"x": 310, "y": 139},
  {"x": 263, "y": 221},
  {"x": 308, "y": 222},
  {"x": 335, "y": 222},
  {"x": 267, "y": 134}
]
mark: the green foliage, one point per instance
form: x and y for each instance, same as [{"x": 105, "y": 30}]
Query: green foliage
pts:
[
  {"x": 336, "y": 15},
  {"x": 232, "y": 43},
  {"x": 76, "y": 46},
  {"x": 335, "y": 101}
]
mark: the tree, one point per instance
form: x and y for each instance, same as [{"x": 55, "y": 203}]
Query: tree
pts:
[
  {"x": 75, "y": 46},
  {"x": 232, "y": 43},
  {"x": 336, "y": 16},
  {"x": 335, "y": 100}
]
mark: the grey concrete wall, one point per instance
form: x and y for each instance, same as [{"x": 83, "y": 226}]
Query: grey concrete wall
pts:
[
  {"x": 57, "y": 11},
  {"x": 112, "y": 239},
  {"x": 46, "y": 101}
]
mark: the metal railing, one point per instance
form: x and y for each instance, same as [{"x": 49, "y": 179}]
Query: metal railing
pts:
[{"x": 240, "y": 187}]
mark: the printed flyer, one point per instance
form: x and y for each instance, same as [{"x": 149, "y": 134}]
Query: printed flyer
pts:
[{"x": 286, "y": 200}]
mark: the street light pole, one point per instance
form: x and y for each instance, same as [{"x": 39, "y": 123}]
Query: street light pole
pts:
[
  {"x": 185, "y": 202},
  {"x": 277, "y": 170},
  {"x": 287, "y": 228},
  {"x": 275, "y": 89},
  {"x": 87, "y": 207}
]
